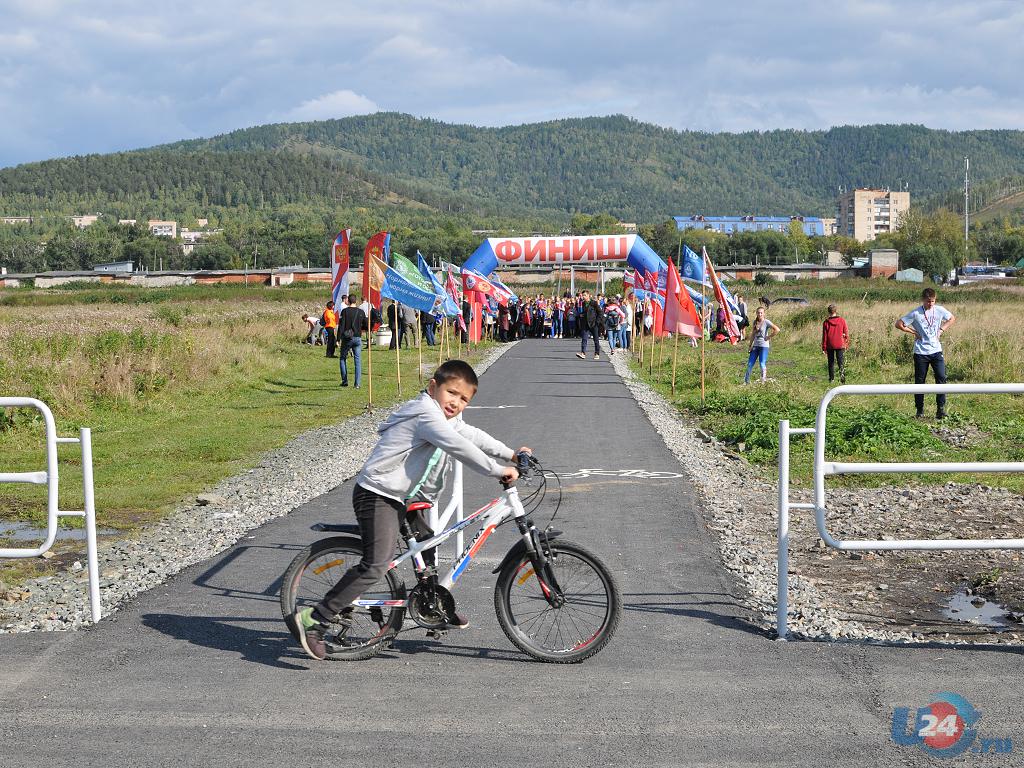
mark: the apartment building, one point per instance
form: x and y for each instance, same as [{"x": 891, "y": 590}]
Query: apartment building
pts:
[
  {"x": 864, "y": 214},
  {"x": 163, "y": 228},
  {"x": 86, "y": 220}
]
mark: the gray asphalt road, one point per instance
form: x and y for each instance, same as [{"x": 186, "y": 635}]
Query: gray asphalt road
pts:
[{"x": 202, "y": 671}]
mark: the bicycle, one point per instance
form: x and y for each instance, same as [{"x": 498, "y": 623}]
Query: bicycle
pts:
[{"x": 555, "y": 600}]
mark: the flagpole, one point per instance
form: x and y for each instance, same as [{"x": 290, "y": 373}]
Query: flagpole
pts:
[
  {"x": 369, "y": 360},
  {"x": 703, "y": 332},
  {"x": 440, "y": 345},
  {"x": 419, "y": 345},
  {"x": 398, "y": 349},
  {"x": 675, "y": 354}
]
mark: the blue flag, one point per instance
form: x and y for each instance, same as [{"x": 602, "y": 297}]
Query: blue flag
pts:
[
  {"x": 449, "y": 307},
  {"x": 693, "y": 267}
]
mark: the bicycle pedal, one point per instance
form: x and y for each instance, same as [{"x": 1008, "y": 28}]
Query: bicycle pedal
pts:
[{"x": 437, "y": 634}]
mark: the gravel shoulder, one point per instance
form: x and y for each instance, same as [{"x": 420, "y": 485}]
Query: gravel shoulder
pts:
[
  {"x": 890, "y": 597},
  {"x": 284, "y": 479}
]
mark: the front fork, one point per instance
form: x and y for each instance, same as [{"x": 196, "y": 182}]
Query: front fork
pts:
[{"x": 539, "y": 552}]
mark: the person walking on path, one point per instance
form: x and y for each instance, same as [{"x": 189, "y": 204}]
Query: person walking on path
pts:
[
  {"x": 614, "y": 317},
  {"x": 590, "y": 320},
  {"x": 330, "y": 327},
  {"x": 626, "y": 330},
  {"x": 760, "y": 339},
  {"x": 351, "y": 325},
  {"x": 835, "y": 338},
  {"x": 926, "y": 324}
]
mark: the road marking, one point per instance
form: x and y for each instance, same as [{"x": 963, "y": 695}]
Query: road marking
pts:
[
  {"x": 492, "y": 407},
  {"x": 633, "y": 474}
]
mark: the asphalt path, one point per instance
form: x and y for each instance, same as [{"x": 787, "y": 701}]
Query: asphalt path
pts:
[{"x": 201, "y": 670}]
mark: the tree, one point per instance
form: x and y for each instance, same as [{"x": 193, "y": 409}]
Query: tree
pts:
[{"x": 930, "y": 259}]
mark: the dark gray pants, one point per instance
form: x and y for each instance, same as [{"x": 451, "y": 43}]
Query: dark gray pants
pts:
[
  {"x": 379, "y": 520},
  {"x": 836, "y": 356},
  {"x": 938, "y": 364}
]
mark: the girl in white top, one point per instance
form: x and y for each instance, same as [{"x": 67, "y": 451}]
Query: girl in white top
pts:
[{"x": 762, "y": 332}]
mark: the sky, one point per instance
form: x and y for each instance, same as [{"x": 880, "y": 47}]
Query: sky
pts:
[{"x": 102, "y": 76}]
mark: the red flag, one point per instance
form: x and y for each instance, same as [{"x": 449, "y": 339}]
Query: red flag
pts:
[
  {"x": 474, "y": 281},
  {"x": 730, "y": 322},
  {"x": 453, "y": 290},
  {"x": 680, "y": 314},
  {"x": 629, "y": 278},
  {"x": 376, "y": 247},
  {"x": 339, "y": 267}
]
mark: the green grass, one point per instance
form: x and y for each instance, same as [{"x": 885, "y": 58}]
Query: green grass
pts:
[
  {"x": 150, "y": 457},
  {"x": 876, "y": 428}
]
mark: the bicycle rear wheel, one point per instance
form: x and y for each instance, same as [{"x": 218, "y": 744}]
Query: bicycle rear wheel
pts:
[
  {"x": 575, "y": 631},
  {"x": 364, "y": 632}
]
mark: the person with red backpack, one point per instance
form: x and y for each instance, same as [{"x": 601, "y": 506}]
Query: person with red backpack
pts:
[{"x": 835, "y": 338}]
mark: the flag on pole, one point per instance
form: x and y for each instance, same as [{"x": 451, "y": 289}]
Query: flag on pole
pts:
[
  {"x": 680, "y": 314},
  {"x": 508, "y": 293},
  {"x": 452, "y": 287},
  {"x": 378, "y": 248},
  {"x": 403, "y": 283},
  {"x": 693, "y": 270},
  {"x": 629, "y": 278},
  {"x": 339, "y": 267},
  {"x": 730, "y": 321},
  {"x": 474, "y": 281},
  {"x": 448, "y": 305},
  {"x": 693, "y": 267}
]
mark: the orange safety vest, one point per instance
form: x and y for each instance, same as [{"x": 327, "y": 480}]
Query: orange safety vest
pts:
[{"x": 330, "y": 318}]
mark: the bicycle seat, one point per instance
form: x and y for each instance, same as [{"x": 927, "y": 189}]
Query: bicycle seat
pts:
[{"x": 336, "y": 527}]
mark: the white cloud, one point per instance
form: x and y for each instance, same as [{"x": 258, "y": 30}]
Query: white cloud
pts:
[
  {"x": 168, "y": 71},
  {"x": 342, "y": 103}
]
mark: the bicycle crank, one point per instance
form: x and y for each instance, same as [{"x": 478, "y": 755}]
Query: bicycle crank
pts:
[{"x": 431, "y": 605}]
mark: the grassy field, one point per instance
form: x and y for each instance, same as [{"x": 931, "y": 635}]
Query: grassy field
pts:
[
  {"x": 981, "y": 347},
  {"x": 181, "y": 387}
]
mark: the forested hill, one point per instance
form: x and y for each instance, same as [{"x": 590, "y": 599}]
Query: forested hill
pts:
[{"x": 639, "y": 171}]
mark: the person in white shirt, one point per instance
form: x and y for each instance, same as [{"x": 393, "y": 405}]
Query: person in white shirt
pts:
[{"x": 926, "y": 324}]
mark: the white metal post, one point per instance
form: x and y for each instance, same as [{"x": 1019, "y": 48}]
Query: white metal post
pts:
[
  {"x": 457, "y": 497},
  {"x": 781, "y": 614},
  {"x": 85, "y": 438}
]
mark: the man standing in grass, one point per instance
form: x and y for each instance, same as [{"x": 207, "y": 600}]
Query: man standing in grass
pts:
[
  {"x": 835, "y": 338},
  {"x": 330, "y": 320},
  {"x": 926, "y": 324},
  {"x": 351, "y": 325}
]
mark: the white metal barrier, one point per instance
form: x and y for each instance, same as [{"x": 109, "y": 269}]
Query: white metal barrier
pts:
[
  {"x": 824, "y": 468},
  {"x": 49, "y": 478},
  {"x": 439, "y": 521}
]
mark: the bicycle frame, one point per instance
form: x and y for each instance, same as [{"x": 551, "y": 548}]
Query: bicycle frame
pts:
[{"x": 490, "y": 516}]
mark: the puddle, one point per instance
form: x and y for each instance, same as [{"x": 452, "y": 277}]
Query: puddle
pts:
[
  {"x": 28, "y": 532},
  {"x": 977, "y": 610}
]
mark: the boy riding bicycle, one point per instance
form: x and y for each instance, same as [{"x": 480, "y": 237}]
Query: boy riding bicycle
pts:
[{"x": 401, "y": 479}]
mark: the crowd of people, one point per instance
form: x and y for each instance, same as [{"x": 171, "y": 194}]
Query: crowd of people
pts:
[{"x": 618, "y": 321}]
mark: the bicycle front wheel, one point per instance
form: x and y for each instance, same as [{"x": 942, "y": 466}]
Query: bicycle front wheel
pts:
[
  {"x": 572, "y": 632},
  {"x": 361, "y": 632}
]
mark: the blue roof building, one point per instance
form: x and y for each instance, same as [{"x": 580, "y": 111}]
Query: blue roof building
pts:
[{"x": 732, "y": 224}]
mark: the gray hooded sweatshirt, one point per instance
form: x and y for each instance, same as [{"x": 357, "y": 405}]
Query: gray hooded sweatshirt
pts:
[{"x": 411, "y": 457}]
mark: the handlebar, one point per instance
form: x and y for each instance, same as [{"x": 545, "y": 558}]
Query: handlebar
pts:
[{"x": 525, "y": 462}]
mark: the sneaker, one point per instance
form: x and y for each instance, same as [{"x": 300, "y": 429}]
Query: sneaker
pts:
[
  {"x": 940, "y": 415},
  {"x": 597, "y": 357},
  {"x": 581, "y": 356},
  {"x": 919, "y": 415},
  {"x": 311, "y": 633},
  {"x": 842, "y": 378},
  {"x": 458, "y": 621},
  {"x": 344, "y": 383}
]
